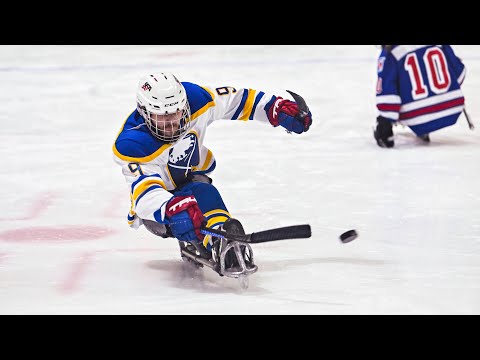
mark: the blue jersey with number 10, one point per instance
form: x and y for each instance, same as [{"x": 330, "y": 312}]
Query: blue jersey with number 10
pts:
[{"x": 419, "y": 86}]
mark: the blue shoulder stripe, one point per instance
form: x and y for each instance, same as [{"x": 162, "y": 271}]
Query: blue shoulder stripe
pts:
[
  {"x": 135, "y": 143},
  {"x": 198, "y": 98}
]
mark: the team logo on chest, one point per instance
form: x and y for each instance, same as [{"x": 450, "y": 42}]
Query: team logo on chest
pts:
[{"x": 183, "y": 156}]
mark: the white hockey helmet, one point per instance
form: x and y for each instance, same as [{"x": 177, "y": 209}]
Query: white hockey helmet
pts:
[{"x": 162, "y": 102}]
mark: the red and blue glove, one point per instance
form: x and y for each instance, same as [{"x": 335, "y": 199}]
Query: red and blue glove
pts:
[
  {"x": 184, "y": 218},
  {"x": 287, "y": 114}
]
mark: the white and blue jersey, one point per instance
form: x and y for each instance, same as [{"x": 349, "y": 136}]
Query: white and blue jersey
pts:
[
  {"x": 419, "y": 86},
  {"x": 153, "y": 169}
]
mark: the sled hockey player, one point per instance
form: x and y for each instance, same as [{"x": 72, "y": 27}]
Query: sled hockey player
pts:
[
  {"x": 417, "y": 86},
  {"x": 161, "y": 150}
]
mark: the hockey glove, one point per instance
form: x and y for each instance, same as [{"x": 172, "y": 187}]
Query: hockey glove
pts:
[
  {"x": 184, "y": 218},
  {"x": 287, "y": 114},
  {"x": 383, "y": 133}
]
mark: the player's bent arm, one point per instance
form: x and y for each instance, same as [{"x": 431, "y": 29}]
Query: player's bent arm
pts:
[
  {"x": 249, "y": 104},
  {"x": 148, "y": 191},
  {"x": 240, "y": 104}
]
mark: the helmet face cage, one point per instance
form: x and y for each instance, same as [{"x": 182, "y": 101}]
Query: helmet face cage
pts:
[
  {"x": 167, "y": 130},
  {"x": 163, "y": 104}
]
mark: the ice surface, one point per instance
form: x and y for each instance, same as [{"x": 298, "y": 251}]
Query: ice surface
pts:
[{"x": 65, "y": 246}]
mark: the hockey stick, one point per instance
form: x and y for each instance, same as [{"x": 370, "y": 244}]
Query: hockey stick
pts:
[
  {"x": 283, "y": 233},
  {"x": 470, "y": 124},
  {"x": 302, "y": 105}
]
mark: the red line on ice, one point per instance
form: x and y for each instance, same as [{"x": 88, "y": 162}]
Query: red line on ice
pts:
[
  {"x": 56, "y": 234},
  {"x": 39, "y": 205},
  {"x": 78, "y": 269}
]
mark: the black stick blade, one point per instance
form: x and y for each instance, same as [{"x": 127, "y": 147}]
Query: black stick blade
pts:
[
  {"x": 302, "y": 105},
  {"x": 284, "y": 233}
]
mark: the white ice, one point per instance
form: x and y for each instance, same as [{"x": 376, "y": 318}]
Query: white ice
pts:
[{"x": 66, "y": 248}]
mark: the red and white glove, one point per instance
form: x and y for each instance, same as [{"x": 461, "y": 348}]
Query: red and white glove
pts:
[{"x": 184, "y": 218}]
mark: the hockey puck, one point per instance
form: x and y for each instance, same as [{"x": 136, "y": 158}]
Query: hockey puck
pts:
[{"x": 348, "y": 236}]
